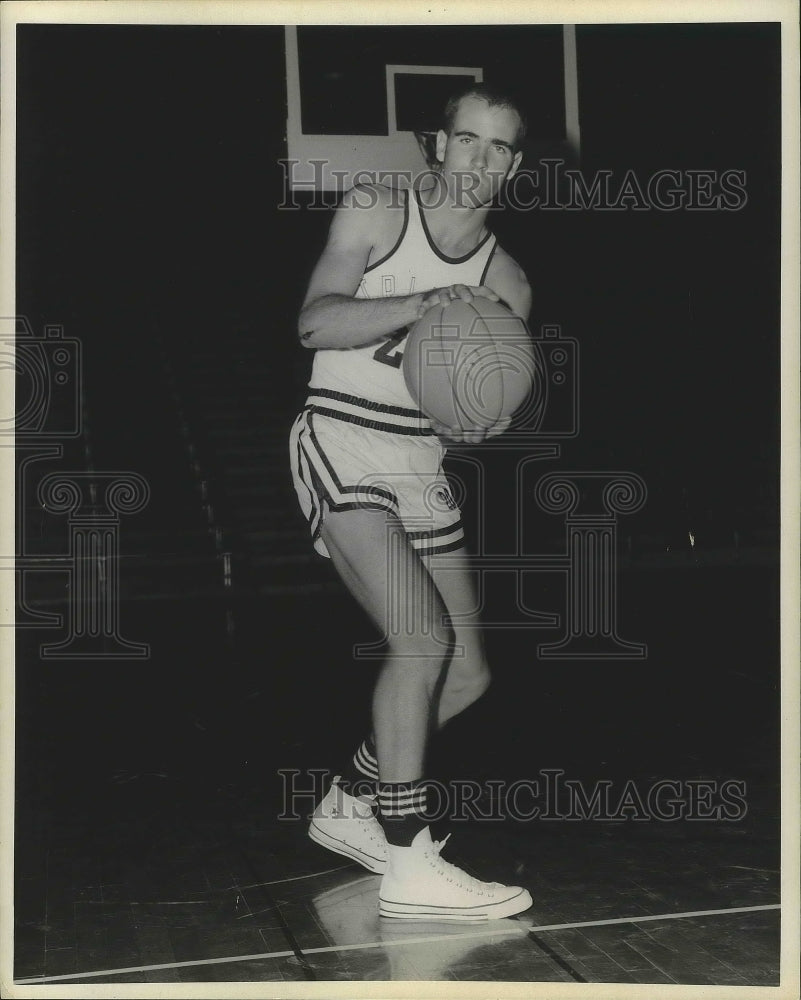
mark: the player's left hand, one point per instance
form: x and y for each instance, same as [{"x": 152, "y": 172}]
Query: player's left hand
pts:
[{"x": 472, "y": 435}]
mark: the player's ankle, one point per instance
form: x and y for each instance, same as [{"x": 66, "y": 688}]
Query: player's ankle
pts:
[{"x": 402, "y": 810}]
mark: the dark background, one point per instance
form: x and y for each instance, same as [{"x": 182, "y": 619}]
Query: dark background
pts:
[
  {"x": 148, "y": 186},
  {"x": 148, "y": 192}
]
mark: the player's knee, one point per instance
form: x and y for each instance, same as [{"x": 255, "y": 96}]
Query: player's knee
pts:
[
  {"x": 434, "y": 647},
  {"x": 430, "y": 647},
  {"x": 469, "y": 674}
]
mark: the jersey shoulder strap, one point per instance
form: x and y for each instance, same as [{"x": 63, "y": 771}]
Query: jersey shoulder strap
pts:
[{"x": 382, "y": 260}]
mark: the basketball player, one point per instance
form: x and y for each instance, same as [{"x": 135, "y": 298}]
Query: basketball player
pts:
[{"x": 368, "y": 472}]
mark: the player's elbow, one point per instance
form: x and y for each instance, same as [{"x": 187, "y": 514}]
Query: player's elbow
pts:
[
  {"x": 306, "y": 326},
  {"x": 306, "y": 338}
]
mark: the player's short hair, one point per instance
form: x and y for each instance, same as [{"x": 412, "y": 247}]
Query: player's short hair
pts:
[{"x": 495, "y": 97}]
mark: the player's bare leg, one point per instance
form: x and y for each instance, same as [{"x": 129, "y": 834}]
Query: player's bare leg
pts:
[
  {"x": 399, "y": 595},
  {"x": 468, "y": 675},
  {"x": 400, "y": 598},
  {"x": 384, "y": 572}
]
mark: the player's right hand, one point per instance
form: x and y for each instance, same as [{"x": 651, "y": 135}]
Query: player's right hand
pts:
[
  {"x": 470, "y": 435},
  {"x": 444, "y": 296}
]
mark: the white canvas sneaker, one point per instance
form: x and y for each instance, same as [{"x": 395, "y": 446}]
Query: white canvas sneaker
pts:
[
  {"x": 418, "y": 884},
  {"x": 347, "y": 825}
]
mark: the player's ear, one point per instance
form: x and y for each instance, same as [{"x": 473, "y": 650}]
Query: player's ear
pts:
[
  {"x": 515, "y": 163},
  {"x": 442, "y": 141}
]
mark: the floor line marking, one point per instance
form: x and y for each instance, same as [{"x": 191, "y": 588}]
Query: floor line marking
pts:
[
  {"x": 523, "y": 931},
  {"x": 293, "y": 878},
  {"x": 657, "y": 916}
]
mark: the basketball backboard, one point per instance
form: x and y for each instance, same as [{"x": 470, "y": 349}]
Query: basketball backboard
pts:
[{"x": 356, "y": 112}]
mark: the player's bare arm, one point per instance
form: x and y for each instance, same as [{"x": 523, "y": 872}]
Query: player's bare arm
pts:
[
  {"x": 508, "y": 280},
  {"x": 331, "y": 315}
]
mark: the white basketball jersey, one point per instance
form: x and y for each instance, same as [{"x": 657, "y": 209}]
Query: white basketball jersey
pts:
[{"x": 373, "y": 372}]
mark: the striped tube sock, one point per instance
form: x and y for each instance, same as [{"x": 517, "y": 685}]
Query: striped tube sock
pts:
[
  {"x": 402, "y": 810},
  {"x": 360, "y": 776}
]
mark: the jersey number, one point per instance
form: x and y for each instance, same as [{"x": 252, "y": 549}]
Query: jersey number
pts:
[{"x": 389, "y": 353}]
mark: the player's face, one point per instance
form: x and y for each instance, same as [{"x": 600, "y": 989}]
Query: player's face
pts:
[{"x": 478, "y": 155}]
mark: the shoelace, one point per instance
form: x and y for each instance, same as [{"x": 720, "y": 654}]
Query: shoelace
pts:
[
  {"x": 439, "y": 844},
  {"x": 455, "y": 874}
]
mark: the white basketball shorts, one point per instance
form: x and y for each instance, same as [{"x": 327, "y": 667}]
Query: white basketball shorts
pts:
[{"x": 347, "y": 454}]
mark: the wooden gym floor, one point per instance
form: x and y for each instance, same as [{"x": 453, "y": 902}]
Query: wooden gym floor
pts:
[{"x": 149, "y": 848}]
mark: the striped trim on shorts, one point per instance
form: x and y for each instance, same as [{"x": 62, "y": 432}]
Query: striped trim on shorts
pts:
[{"x": 349, "y": 454}]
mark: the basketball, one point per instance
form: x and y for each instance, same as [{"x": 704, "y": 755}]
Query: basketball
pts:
[{"x": 469, "y": 364}]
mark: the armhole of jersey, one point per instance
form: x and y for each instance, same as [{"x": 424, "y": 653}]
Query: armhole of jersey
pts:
[
  {"x": 489, "y": 261},
  {"x": 400, "y": 238}
]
